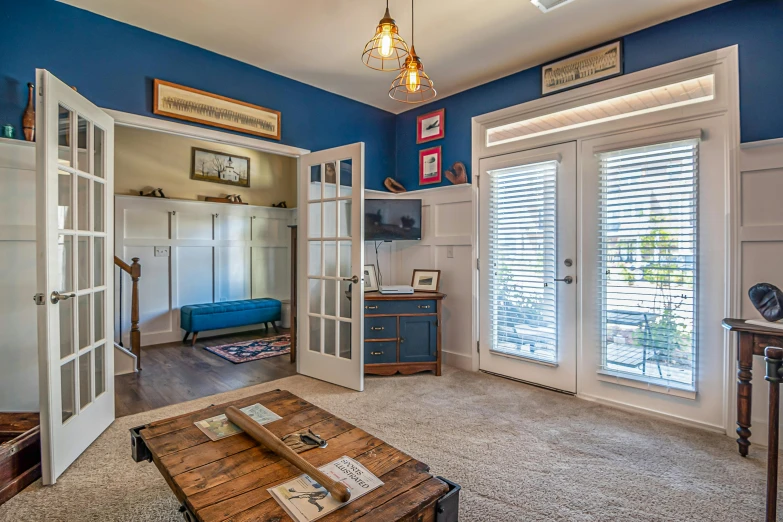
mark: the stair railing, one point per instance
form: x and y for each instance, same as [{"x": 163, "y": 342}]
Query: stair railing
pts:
[{"x": 134, "y": 271}]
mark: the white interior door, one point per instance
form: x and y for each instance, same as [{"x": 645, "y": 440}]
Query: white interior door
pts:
[
  {"x": 528, "y": 269},
  {"x": 75, "y": 173},
  {"x": 330, "y": 267}
]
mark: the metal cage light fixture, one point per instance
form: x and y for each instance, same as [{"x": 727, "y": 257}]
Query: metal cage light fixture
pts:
[
  {"x": 412, "y": 85},
  {"x": 387, "y": 51}
]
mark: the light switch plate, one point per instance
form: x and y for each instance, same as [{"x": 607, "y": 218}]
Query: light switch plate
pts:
[
  {"x": 450, "y": 252},
  {"x": 162, "y": 251}
]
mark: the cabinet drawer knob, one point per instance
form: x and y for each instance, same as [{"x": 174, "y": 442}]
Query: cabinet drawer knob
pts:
[
  {"x": 402, "y": 340},
  {"x": 424, "y": 306},
  {"x": 376, "y": 328},
  {"x": 376, "y": 353},
  {"x": 371, "y": 307}
]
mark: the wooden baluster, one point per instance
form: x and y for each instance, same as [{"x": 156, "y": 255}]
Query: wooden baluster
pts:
[
  {"x": 135, "y": 333},
  {"x": 774, "y": 359}
]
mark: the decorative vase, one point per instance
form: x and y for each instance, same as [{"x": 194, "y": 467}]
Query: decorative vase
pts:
[{"x": 28, "y": 118}]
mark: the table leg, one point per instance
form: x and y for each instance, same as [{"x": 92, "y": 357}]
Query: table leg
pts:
[{"x": 744, "y": 391}]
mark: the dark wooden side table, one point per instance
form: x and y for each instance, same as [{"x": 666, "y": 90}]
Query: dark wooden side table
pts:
[{"x": 753, "y": 339}]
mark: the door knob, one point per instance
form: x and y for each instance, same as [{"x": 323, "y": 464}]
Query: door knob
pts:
[
  {"x": 57, "y": 297},
  {"x": 354, "y": 279},
  {"x": 567, "y": 280}
]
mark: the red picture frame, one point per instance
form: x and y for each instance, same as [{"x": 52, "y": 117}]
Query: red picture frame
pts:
[
  {"x": 426, "y": 174},
  {"x": 424, "y": 129}
]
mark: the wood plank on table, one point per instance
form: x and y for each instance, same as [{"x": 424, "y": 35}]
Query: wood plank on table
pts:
[
  {"x": 409, "y": 503},
  {"x": 235, "y": 496},
  {"x": 239, "y": 464}
]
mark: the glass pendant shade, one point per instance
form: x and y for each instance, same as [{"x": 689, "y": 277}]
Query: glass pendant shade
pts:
[
  {"x": 387, "y": 51},
  {"x": 412, "y": 85}
]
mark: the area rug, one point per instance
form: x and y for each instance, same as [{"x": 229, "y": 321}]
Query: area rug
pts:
[
  {"x": 520, "y": 454},
  {"x": 247, "y": 351}
]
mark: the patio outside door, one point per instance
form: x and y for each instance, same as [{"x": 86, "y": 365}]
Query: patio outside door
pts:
[{"x": 528, "y": 266}]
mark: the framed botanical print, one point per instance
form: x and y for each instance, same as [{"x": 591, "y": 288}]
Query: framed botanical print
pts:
[
  {"x": 429, "y": 166},
  {"x": 431, "y": 126},
  {"x": 425, "y": 280}
]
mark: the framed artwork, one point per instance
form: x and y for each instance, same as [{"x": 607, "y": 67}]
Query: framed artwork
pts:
[
  {"x": 218, "y": 167},
  {"x": 429, "y": 166},
  {"x": 425, "y": 280},
  {"x": 599, "y": 63},
  {"x": 370, "y": 278},
  {"x": 431, "y": 126},
  {"x": 186, "y": 103}
]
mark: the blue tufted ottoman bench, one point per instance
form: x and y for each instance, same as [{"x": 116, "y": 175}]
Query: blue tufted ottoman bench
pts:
[{"x": 228, "y": 314}]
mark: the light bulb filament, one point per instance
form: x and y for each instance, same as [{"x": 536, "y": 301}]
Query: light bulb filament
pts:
[
  {"x": 414, "y": 81},
  {"x": 385, "y": 41}
]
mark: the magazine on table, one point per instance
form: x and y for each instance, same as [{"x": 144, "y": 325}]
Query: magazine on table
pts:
[
  {"x": 306, "y": 500},
  {"x": 220, "y": 427}
]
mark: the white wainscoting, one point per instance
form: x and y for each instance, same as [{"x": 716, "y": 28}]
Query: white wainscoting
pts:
[
  {"x": 217, "y": 252},
  {"x": 18, "y": 314},
  {"x": 447, "y": 214},
  {"x": 760, "y": 251}
]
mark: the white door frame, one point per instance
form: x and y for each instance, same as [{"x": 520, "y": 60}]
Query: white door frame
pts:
[{"x": 724, "y": 64}]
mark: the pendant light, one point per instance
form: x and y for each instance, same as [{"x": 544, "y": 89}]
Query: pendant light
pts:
[
  {"x": 387, "y": 50},
  {"x": 412, "y": 85}
]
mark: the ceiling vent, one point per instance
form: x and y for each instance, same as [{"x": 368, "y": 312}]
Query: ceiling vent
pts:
[{"x": 548, "y": 5}]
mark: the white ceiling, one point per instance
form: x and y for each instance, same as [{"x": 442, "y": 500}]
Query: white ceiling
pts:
[{"x": 462, "y": 43}]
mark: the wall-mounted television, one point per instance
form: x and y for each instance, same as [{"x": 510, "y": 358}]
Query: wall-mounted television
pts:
[{"x": 392, "y": 219}]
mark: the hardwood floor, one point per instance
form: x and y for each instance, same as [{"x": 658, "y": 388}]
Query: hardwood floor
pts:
[{"x": 176, "y": 372}]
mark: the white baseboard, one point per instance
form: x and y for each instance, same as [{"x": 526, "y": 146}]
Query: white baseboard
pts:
[
  {"x": 458, "y": 360},
  {"x": 151, "y": 339}
]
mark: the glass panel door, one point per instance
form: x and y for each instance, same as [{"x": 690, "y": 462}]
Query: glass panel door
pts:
[
  {"x": 528, "y": 266},
  {"x": 331, "y": 231}
]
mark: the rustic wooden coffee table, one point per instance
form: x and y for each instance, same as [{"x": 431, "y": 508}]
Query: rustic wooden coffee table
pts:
[{"x": 228, "y": 479}]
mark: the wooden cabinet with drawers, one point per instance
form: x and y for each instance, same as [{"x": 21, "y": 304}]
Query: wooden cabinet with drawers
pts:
[{"x": 402, "y": 333}]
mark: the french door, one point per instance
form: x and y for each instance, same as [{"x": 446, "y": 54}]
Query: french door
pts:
[
  {"x": 528, "y": 266},
  {"x": 331, "y": 242},
  {"x": 75, "y": 172}
]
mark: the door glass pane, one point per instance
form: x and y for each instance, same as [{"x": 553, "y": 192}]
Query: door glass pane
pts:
[
  {"x": 98, "y": 300},
  {"x": 84, "y": 321},
  {"x": 315, "y": 296},
  {"x": 65, "y": 262},
  {"x": 98, "y": 147},
  {"x": 97, "y": 266},
  {"x": 330, "y": 340},
  {"x": 346, "y": 175},
  {"x": 315, "y": 334},
  {"x": 330, "y": 258},
  {"x": 85, "y": 380},
  {"x": 67, "y": 389},
  {"x": 522, "y": 243},
  {"x": 82, "y": 129},
  {"x": 64, "y": 200},
  {"x": 346, "y": 287},
  {"x": 330, "y": 218},
  {"x": 100, "y": 370},
  {"x": 344, "y": 205},
  {"x": 64, "y": 136},
  {"x": 345, "y": 259},
  {"x": 83, "y": 209},
  {"x": 98, "y": 189},
  {"x": 345, "y": 340},
  {"x": 66, "y": 327},
  {"x": 330, "y": 297},
  {"x": 83, "y": 270},
  {"x": 314, "y": 220},
  {"x": 314, "y": 258},
  {"x": 315, "y": 182}
]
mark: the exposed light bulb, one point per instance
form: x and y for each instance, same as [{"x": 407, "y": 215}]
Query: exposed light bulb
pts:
[
  {"x": 413, "y": 82},
  {"x": 385, "y": 41}
]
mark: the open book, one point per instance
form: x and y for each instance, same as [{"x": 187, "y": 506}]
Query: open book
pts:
[
  {"x": 220, "y": 427},
  {"x": 305, "y": 500}
]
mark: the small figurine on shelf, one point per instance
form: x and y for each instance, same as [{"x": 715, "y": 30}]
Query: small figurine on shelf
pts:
[
  {"x": 768, "y": 300},
  {"x": 8, "y": 131},
  {"x": 28, "y": 118},
  {"x": 280, "y": 205},
  {"x": 154, "y": 193}
]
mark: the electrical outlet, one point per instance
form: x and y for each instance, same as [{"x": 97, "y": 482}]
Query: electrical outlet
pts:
[
  {"x": 450, "y": 252},
  {"x": 162, "y": 251}
]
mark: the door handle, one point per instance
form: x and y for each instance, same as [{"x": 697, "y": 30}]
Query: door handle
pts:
[
  {"x": 57, "y": 297},
  {"x": 567, "y": 280},
  {"x": 354, "y": 279}
]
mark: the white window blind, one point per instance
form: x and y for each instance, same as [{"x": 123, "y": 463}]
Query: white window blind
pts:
[
  {"x": 522, "y": 243},
  {"x": 648, "y": 247}
]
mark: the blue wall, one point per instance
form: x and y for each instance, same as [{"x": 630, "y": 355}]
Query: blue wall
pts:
[
  {"x": 113, "y": 64},
  {"x": 756, "y": 25}
]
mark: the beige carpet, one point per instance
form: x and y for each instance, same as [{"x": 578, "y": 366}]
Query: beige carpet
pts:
[{"x": 519, "y": 452}]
